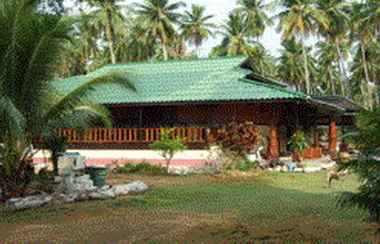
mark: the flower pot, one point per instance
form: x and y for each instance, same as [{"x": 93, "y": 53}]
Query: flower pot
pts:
[
  {"x": 98, "y": 175},
  {"x": 297, "y": 156}
]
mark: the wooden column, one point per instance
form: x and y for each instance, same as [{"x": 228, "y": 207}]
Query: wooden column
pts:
[
  {"x": 316, "y": 137},
  {"x": 332, "y": 137},
  {"x": 273, "y": 143},
  {"x": 273, "y": 151}
]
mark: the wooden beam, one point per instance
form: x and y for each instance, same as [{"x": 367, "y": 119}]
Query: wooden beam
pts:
[
  {"x": 332, "y": 137},
  {"x": 273, "y": 143}
]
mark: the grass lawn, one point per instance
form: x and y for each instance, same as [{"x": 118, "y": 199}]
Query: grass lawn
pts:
[{"x": 262, "y": 207}]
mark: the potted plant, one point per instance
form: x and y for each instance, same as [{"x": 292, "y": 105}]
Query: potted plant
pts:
[{"x": 297, "y": 145}]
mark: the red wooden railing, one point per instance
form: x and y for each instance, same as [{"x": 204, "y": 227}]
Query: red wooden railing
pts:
[{"x": 131, "y": 135}]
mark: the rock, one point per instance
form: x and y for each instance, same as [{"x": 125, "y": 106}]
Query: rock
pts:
[
  {"x": 264, "y": 164},
  {"x": 312, "y": 169},
  {"x": 28, "y": 202},
  {"x": 77, "y": 184},
  {"x": 180, "y": 170},
  {"x": 299, "y": 170},
  {"x": 134, "y": 187},
  {"x": 102, "y": 194},
  {"x": 58, "y": 179},
  {"x": 38, "y": 167},
  {"x": 278, "y": 168},
  {"x": 327, "y": 166}
]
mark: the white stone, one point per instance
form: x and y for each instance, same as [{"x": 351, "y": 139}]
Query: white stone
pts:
[
  {"x": 102, "y": 194},
  {"x": 299, "y": 170},
  {"x": 28, "y": 202},
  {"x": 134, "y": 187},
  {"x": 278, "y": 169},
  {"x": 180, "y": 170},
  {"x": 312, "y": 169},
  {"x": 38, "y": 167},
  {"x": 327, "y": 166}
]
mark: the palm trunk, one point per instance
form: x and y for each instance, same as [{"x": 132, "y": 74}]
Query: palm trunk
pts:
[
  {"x": 306, "y": 67},
  {"x": 345, "y": 87},
  {"x": 165, "y": 52},
  {"x": 365, "y": 63},
  {"x": 332, "y": 82},
  {"x": 110, "y": 36}
]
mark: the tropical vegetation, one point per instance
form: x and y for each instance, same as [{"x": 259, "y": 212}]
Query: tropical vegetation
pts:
[
  {"x": 328, "y": 47},
  {"x": 30, "y": 107}
]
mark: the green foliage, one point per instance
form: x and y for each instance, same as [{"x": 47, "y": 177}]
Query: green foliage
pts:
[
  {"x": 142, "y": 168},
  {"x": 367, "y": 166},
  {"x": 298, "y": 142},
  {"x": 57, "y": 146},
  {"x": 30, "y": 107},
  {"x": 168, "y": 146}
]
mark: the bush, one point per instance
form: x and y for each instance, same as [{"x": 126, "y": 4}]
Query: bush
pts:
[
  {"x": 168, "y": 146},
  {"x": 367, "y": 166},
  {"x": 142, "y": 168}
]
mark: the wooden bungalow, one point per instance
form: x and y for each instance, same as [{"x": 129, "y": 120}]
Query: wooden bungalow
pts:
[{"x": 198, "y": 97}]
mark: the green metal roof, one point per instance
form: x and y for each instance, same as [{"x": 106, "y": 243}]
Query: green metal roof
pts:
[{"x": 204, "y": 80}]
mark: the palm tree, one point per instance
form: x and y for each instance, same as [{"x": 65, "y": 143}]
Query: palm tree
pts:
[
  {"x": 158, "y": 18},
  {"x": 235, "y": 33},
  {"x": 261, "y": 62},
  {"x": 291, "y": 60},
  {"x": 107, "y": 14},
  {"x": 255, "y": 16},
  {"x": 328, "y": 61},
  {"x": 299, "y": 20},
  {"x": 338, "y": 13},
  {"x": 195, "y": 26},
  {"x": 30, "y": 106}
]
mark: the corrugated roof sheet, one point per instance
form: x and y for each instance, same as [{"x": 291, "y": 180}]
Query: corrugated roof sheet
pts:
[{"x": 204, "y": 80}]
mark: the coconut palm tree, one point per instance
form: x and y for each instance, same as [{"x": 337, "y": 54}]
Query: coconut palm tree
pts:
[
  {"x": 158, "y": 18},
  {"x": 235, "y": 33},
  {"x": 196, "y": 27},
  {"x": 291, "y": 60},
  {"x": 338, "y": 13},
  {"x": 298, "y": 20},
  {"x": 261, "y": 62},
  {"x": 254, "y": 12},
  {"x": 30, "y": 105},
  {"x": 106, "y": 15},
  {"x": 328, "y": 67}
]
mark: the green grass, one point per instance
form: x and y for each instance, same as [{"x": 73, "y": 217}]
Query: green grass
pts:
[{"x": 268, "y": 207}]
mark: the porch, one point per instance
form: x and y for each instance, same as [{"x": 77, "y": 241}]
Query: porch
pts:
[{"x": 195, "y": 138}]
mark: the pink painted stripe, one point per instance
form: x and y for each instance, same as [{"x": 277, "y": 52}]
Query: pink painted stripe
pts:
[{"x": 108, "y": 161}]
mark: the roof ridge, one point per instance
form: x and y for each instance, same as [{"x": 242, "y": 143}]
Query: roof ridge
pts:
[
  {"x": 283, "y": 89},
  {"x": 175, "y": 61}
]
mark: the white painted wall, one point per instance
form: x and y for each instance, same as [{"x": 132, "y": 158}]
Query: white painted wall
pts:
[{"x": 133, "y": 154}]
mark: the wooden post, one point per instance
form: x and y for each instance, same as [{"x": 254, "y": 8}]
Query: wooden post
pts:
[
  {"x": 332, "y": 137},
  {"x": 273, "y": 143}
]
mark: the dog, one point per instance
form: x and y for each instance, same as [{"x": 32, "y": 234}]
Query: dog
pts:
[{"x": 335, "y": 174}]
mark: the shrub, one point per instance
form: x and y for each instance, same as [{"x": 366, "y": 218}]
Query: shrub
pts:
[
  {"x": 367, "y": 166},
  {"x": 142, "y": 168},
  {"x": 297, "y": 144},
  {"x": 168, "y": 146}
]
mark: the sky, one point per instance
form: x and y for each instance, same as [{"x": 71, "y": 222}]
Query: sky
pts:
[{"x": 220, "y": 9}]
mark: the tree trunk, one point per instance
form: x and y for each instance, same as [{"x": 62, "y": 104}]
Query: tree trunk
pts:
[
  {"x": 345, "y": 87},
  {"x": 365, "y": 64},
  {"x": 306, "y": 67},
  {"x": 332, "y": 81},
  {"x": 110, "y": 36},
  {"x": 164, "y": 52}
]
